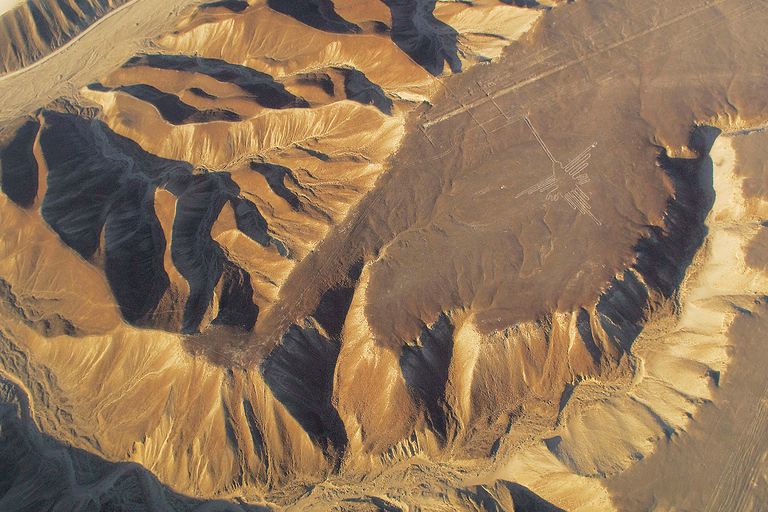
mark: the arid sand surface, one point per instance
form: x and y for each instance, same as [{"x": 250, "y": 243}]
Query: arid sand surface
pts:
[
  {"x": 384, "y": 255},
  {"x": 7, "y": 5}
]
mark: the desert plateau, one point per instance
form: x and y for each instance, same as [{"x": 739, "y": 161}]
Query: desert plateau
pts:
[{"x": 384, "y": 255}]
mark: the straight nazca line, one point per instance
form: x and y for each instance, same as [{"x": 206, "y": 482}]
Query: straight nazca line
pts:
[
  {"x": 556, "y": 69},
  {"x": 539, "y": 139}
]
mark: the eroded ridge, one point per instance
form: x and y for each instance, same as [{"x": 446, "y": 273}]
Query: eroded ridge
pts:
[
  {"x": 36, "y": 28},
  {"x": 98, "y": 192},
  {"x": 313, "y": 299}
]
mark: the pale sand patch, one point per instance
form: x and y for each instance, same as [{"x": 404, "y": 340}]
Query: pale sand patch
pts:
[{"x": 7, "y": 5}]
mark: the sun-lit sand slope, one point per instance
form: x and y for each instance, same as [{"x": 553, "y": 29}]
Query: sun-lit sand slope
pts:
[
  {"x": 313, "y": 254},
  {"x": 34, "y": 28}
]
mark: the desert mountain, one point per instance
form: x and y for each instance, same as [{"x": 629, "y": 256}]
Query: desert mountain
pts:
[{"x": 382, "y": 255}]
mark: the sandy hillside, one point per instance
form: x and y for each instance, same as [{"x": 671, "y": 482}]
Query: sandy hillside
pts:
[
  {"x": 32, "y": 29},
  {"x": 383, "y": 255}
]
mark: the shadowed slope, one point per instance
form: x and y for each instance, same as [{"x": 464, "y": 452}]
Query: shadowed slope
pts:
[
  {"x": 665, "y": 253},
  {"x": 261, "y": 86},
  {"x": 18, "y": 166},
  {"x": 170, "y": 106},
  {"x": 332, "y": 310},
  {"x": 425, "y": 370},
  {"x": 429, "y": 41},
  {"x": 319, "y": 14},
  {"x": 276, "y": 176},
  {"x": 99, "y": 185},
  {"x": 232, "y": 5},
  {"x": 134, "y": 244},
  {"x": 197, "y": 257},
  {"x": 80, "y": 181},
  {"x": 95, "y": 183},
  {"x": 201, "y": 260},
  {"x": 299, "y": 372},
  {"x": 236, "y": 307},
  {"x": 38, "y": 472},
  {"x": 530, "y": 4},
  {"x": 359, "y": 88}
]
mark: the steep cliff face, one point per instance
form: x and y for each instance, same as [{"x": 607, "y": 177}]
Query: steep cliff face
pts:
[{"x": 317, "y": 252}]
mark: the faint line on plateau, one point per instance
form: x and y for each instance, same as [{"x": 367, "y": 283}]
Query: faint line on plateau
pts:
[
  {"x": 744, "y": 467},
  {"x": 566, "y": 65}
]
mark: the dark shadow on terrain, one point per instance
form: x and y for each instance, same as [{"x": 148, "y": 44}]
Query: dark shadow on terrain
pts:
[
  {"x": 428, "y": 41},
  {"x": 256, "y": 435},
  {"x": 260, "y": 86},
  {"x": 621, "y": 309},
  {"x": 425, "y": 370},
  {"x": 134, "y": 246},
  {"x": 331, "y": 312},
  {"x": 319, "y": 14},
  {"x": 200, "y": 260},
  {"x": 42, "y": 25},
  {"x": 663, "y": 256},
  {"x": 99, "y": 181},
  {"x": 171, "y": 108},
  {"x": 19, "y": 178},
  {"x": 236, "y": 307},
  {"x": 197, "y": 257},
  {"x": 584, "y": 329},
  {"x": 81, "y": 181},
  {"x": 38, "y": 472},
  {"x": 529, "y": 4},
  {"x": 299, "y": 372},
  {"x": 253, "y": 224},
  {"x": 358, "y": 88},
  {"x": 665, "y": 253},
  {"x": 527, "y": 501},
  {"x": 102, "y": 184},
  {"x": 232, "y": 5},
  {"x": 318, "y": 79},
  {"x": 276, "y": 175},
  {"x": 509, "y": 496},
  {"x": 201, "y": 93}
]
